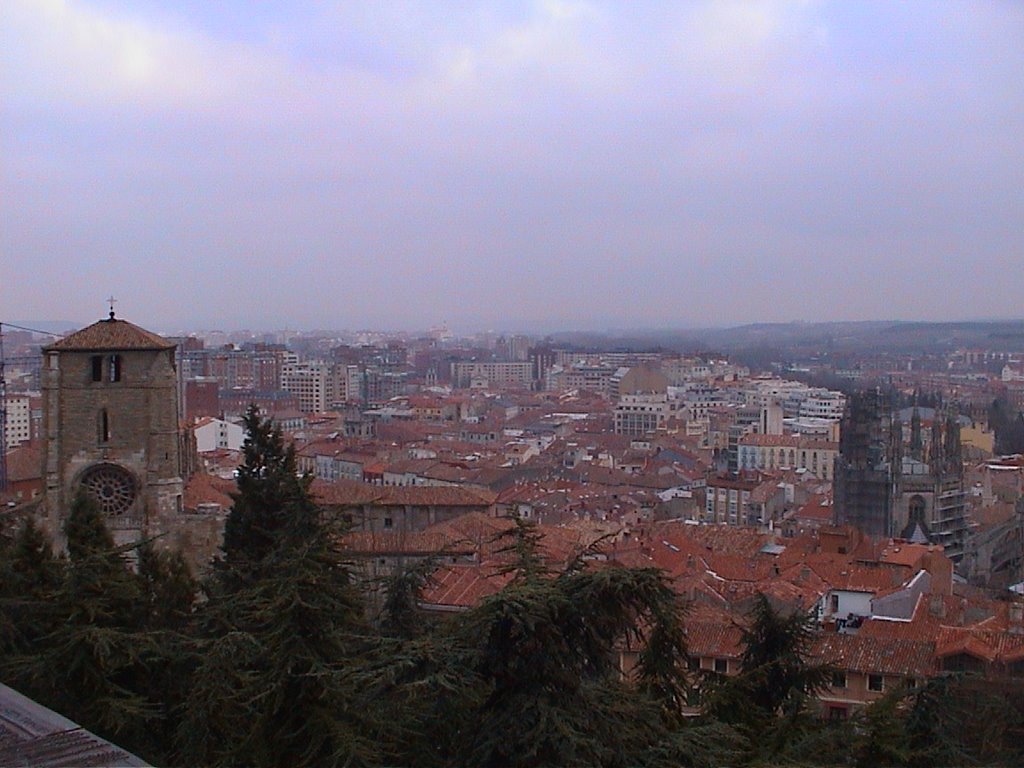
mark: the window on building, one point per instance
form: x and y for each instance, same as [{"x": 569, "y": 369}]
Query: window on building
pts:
[
  {"x": 876, "y": 683},
  {"x": 388, "y": 522},
  {"x": 837, "y": 713},
  {"x": 722, "y": 666},
  {"x": 693, "y": 663},
  {"x": 838, "y": 679},
  {"x": 103, "y": 426},
  {"x": 97, "y": 367},
  {"x": 115, "y": 368},
  {"x": 833, "y": 603}
]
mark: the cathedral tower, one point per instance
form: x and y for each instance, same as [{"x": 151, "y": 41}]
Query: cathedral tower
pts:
[{"x": 111, "y": 428}]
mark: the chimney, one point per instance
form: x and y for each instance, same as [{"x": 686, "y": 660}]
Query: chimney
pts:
[
  {"x": 937, "y": 607},
  {"x": 805, "y": 573}
]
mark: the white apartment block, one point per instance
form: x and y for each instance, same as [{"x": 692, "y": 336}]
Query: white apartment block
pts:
[
  {"x": 501, "y": 375},
  {"x": 823, "y": 404},
  {"x": 217, "y": 434},
  {"x": 312, "y": 383},
  {"x": 639, "y": 414},
  {"x": 788, "y": 452},
  {"x": 18, "y": 428}
]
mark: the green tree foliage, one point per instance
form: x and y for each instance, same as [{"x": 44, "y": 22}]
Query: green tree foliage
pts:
[
  {"x": 531, "y": 676},
  {"x": 962, "y": 719},
  {"x": 168, "y": 589},
  {"x": 95, "y": 664},
  {"x": 30, "y": 575},
  {"x": 272, "y": 500},
  {"x": 880, "y": 735},
  {"x": 400, "y": 616},
  {"x": 276, "y": 638},
  {"x": 768, "y": 699}
]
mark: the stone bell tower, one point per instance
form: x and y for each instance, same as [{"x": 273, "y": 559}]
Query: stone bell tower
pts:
[{"x": 111, "y": 428}]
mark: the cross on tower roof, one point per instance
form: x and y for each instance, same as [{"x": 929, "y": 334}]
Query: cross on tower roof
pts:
[{"x": 111, "y": 302}]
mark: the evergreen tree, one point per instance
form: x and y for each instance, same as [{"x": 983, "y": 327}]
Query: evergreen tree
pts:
[
  {"x": 880, "y": 734},
  {"x": 168, "y": 590},
  {"x": 30, "y": 575},
  {"x": 400, "y": 616},
  {"x": 95, "y": 664},
  {"x": 531, "y": 676},
  {"x": 963, "y": 719},
  {"x": 279, "y": 632},
  {"x": 272, "y": 499},
  {"x": 768, "y": 699}
]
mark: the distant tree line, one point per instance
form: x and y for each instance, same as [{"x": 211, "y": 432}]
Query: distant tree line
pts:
[{"x": 273, "y": 661}]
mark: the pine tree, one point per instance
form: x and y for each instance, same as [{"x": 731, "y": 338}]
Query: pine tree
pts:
[
  {"x": 768, "y": 700},
  {"x": 95, "y": 664},
  {"x": 531, "y": 676},
  {"x": 168, "y": 590},
  {"x": 30, "y": 575},
  {"x": 276, "y": 639},
  {"x": 272, "y": 500}
]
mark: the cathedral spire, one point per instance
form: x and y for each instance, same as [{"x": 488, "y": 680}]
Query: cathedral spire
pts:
[
  {"x": 935, "y": 452},
  {"x": 916, "y": 443}
]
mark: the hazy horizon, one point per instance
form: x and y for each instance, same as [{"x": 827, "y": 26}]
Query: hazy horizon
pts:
[
  {"x": 519, "y": 166},
  {"x": 59, "y": 327}
]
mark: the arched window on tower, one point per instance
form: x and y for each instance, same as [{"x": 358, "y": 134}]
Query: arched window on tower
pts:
[
  {"x": 97, "y": 367},
  {"x": 103, "y": 426},
  {"x": 916, "y": 509},
  {"x": 115, "y": 368}
]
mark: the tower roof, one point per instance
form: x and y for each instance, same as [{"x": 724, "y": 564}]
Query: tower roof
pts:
[{"x": 110, "y": 335}]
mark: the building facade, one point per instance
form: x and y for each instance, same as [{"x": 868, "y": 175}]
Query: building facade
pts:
[
  {"x": 892, "y": 487},
  {"x": 111, "y": 429}
]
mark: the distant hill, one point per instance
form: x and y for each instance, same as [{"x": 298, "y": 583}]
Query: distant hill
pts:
[{"x": 832, "y": 337}]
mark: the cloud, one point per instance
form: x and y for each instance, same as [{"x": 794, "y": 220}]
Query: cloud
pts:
[{"x": 373, "y": 161}]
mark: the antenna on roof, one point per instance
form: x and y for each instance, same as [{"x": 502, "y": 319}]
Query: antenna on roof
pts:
[{"x": 111, "y": 301}]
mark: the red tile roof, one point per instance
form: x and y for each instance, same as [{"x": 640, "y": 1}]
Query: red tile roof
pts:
[
  {"x": 873, "y": 655},
  {"x": 351, "y": 493},
  {"x": 25, "y": 462},
  {"x": 110, "y": 335},
  {"x": 463, "y": 586},
  {"x": 208, "y": 489}
]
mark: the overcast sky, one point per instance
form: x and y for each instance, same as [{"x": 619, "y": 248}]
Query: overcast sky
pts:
[{"x": 510, "y": 165}]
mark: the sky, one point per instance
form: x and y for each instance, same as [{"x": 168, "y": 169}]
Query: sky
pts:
[{"x": 519, "y": 165}]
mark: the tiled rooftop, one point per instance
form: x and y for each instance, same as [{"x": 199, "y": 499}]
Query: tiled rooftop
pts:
[{"x": 110, "y": 335}]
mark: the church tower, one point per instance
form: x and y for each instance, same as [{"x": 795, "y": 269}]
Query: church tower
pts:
[{"x": 111, "y": 428}]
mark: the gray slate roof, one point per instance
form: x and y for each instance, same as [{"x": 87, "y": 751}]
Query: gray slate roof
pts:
[{"x": 32, "y": 735}]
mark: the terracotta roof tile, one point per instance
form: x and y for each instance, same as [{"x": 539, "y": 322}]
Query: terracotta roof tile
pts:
[
  {"x": 208, "y": 489},
  {"x": 353, "y": 493},
  {"x": 110, "y": 335},
  {"x": 25, "y": 462},
  {"x": 463, "y": 586},
  {"x": 874, "y": 655}
]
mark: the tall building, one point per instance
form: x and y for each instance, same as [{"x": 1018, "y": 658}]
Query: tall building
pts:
[
  {"x": 864, "y": 474},
  {"x": 18, "y": 426},
  {"x": 312, "y": 383},
  {"x": 891, "y": 487},
  {"x": 111, "y": 429}
]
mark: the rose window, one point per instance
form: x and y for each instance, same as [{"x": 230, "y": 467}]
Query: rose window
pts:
[{"x": 112, "y": 488}]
